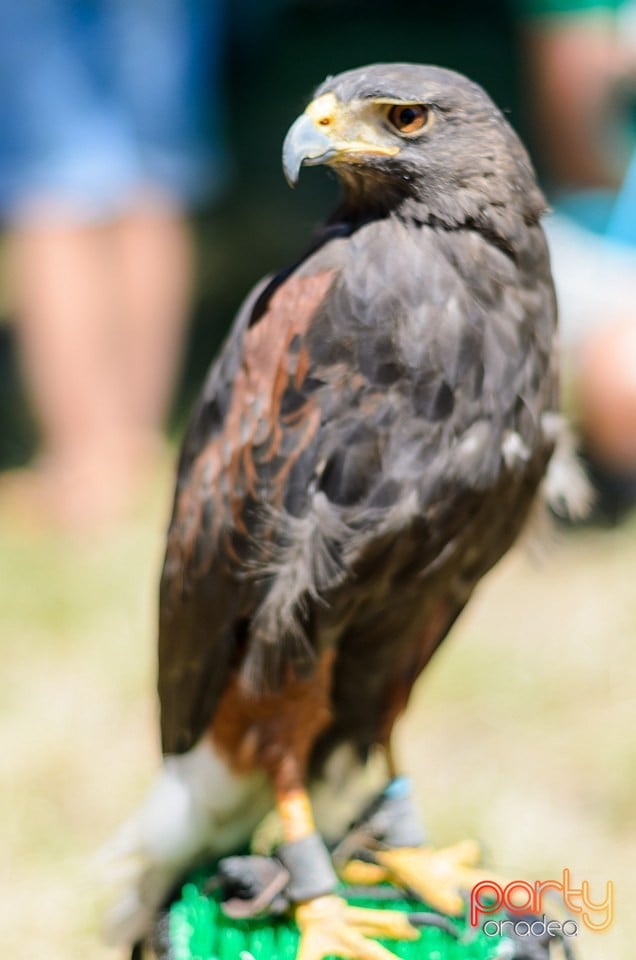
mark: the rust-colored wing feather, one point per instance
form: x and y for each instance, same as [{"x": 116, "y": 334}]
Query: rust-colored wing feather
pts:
[{"x": 255, "y": 420}]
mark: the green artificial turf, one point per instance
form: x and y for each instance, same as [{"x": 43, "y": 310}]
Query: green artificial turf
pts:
[{"x": 199, "y": 930}]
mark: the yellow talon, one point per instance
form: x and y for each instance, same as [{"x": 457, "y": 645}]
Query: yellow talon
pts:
[
  {"x": 330, "y": 927},
  {"x": 437, "y": 876},
  {"x": 360, "y": 872}
]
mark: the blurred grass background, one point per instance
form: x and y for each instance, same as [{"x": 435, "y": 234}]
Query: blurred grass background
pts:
[{"x": 522, "y": 732}]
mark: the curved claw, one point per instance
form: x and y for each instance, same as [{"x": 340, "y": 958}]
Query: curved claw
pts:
[
  {"x": 437, "y": 876},
  {"x": 330, "y": 927}
]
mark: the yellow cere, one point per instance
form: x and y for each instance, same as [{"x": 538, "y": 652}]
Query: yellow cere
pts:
[{"x": 351, "y": 127}]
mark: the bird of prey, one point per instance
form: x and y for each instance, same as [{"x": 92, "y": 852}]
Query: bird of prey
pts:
[{"x": 368, "y": 444}]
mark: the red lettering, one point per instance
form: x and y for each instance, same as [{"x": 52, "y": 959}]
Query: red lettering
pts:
[
  {"x": 511, "y": 901},
  {"x": 490, "y": 902}
]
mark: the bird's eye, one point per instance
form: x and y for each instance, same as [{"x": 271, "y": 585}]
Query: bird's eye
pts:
[{"x": 410, "y": 118}]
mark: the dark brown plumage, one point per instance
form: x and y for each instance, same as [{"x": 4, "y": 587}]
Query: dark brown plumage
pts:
[
  {"x": 367, "y": 445},
  {"x": 369, "y": 442}
]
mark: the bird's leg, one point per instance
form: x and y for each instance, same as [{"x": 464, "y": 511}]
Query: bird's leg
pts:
[
  {"x": 276, "y": 731},
  {"x": 389, "y": 843},
  {"x": 328, "y": 925}
]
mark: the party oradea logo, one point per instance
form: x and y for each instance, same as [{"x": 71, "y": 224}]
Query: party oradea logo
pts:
[{"x": 519, "y": 898}]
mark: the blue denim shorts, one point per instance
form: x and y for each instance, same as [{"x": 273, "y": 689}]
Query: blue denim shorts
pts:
[{"x": 101, "y": 100}]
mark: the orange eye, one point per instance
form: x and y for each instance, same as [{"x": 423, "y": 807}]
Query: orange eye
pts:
[{"x": 409, "y": 118}]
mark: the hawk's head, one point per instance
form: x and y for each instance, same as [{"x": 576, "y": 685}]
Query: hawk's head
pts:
[{"x": 418, "y": 132}]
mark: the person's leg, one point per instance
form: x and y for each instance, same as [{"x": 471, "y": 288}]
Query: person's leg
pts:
[
  {"x": 112, "y": 128},
  {"x": 608, "y": 394},
  {"x": 100, "y": 311},
  {"x": 596, "y": 289},
  {"x": 152, "y": 253},
  {"x": 63, "y": 295}
]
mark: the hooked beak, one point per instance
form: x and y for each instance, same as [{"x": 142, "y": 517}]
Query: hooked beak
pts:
[
  {"x": 305, "y": 143},
  {"x": 331, "y": 132}
]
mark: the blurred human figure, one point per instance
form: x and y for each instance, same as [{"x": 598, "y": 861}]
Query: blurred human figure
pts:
[
  {"x": 581, "y": 69},
  {"x": 102, "y": 112}
]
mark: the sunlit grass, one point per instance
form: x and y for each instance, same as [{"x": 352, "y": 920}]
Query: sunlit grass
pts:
[
  {"x": 522, "y": 733},
  {"x": 77, "y": 731}
]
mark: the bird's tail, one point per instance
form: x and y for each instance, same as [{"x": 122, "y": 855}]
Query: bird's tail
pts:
[
  {"x": 565, "y": 492},
  {"x": 566, "y": 489}
]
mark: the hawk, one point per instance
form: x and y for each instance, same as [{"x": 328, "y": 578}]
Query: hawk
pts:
[{"x": 368, "y": 444}]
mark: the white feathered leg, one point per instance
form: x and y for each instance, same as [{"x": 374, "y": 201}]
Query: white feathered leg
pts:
[{"x": 197, "y": 806}]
